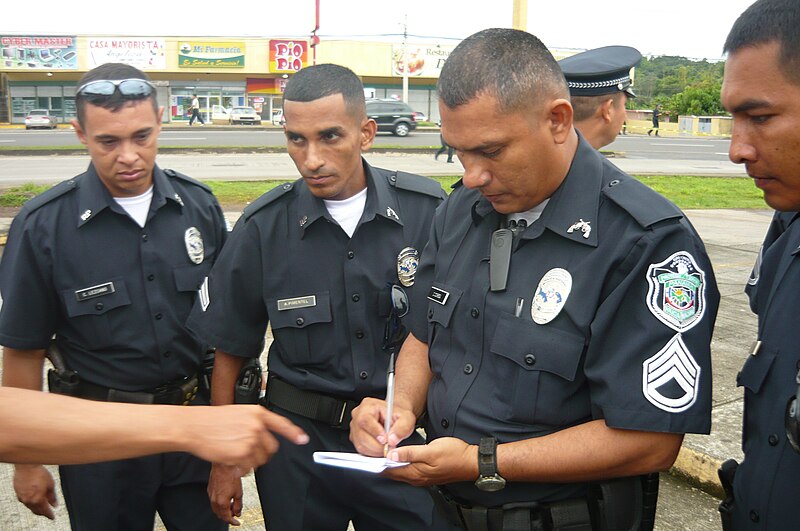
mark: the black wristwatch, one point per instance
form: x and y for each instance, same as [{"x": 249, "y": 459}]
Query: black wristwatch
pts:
[{"x": 488, "y": 478}]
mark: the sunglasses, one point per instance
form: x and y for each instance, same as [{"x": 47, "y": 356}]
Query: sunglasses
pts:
[
  {"x": 792, "y": 418},
  {"x": 103, "y": 89},
  {"x": 394, "y": 333}
]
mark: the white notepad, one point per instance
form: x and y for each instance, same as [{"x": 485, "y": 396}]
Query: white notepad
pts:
[{"x": 374, "y": 465}]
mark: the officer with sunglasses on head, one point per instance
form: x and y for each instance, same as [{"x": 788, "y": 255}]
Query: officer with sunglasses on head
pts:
[
  {"x": 109, "y": 263},
  {"x": 315, "y": 259},
  {"x": 761, "y": 90}
]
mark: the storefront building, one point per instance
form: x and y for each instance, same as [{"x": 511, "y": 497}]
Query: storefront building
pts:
[{"x": 41, "y": 71}]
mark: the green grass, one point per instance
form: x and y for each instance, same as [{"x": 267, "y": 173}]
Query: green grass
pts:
[{"x": 688, "y": 192}]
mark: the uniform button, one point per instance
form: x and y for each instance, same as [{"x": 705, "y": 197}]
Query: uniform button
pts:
[
  {"x": 445, "y": 423},
  {"x": 773, "y": 439},
  {"x": 359, "y": 334},
  {"x": 468, "y": 368},
  {"x": 430, "y": 314},
  {"x": 356, "y": 297},
  {"x": 299, "y": 321},
  {"x": 530, "y": 359},
  {"x": 754, "y": 516},
  {"x": 144, "y": 237},
  {"x": 363, "y": 375},
  {"x": 158, "y": 316},
  {"x": 474, "y": 313},
  {"x": 351, "y": 255},
  {"x": 614, "y": 182},
  {"x": 99, "y": 306},
  {"x": 151, "y": 277},
  {"x": 167, "y": 354}
]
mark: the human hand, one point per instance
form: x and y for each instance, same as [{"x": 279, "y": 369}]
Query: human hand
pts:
[
  {"x": 225, "y": 492},
  {"x": 35, "y": 487},
  {"x": 367, "y": 427},
  {"x": 238, "y": 435},
  {"x": 444, "y": 460}
]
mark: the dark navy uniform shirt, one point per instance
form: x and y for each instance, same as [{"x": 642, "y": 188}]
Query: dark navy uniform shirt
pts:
[
  {"x": 115, "y": 294},
  {"x": 618, "y": 302},
  {"x": 326, "y": 295},
  {"x": 766, "y": 485}
]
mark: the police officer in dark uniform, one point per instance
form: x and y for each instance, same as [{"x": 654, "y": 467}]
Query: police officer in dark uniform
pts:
[
  {"x": 109, "y": 264},
  {"x": 599, "y": 84},
  {"x": 317, "y": 259},
  {"x": 761, "y": 90},
  {"x": 565, "y": 339}
]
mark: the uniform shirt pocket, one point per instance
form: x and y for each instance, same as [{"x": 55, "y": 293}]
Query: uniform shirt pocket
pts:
[
  {"x": 292, "y": 318},
  {"x": 538, "y": 366},
  {"x": 755, "y": 370},
  {"x": 89, "y": 309}
]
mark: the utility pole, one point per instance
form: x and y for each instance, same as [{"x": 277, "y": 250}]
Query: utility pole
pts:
[
  {"x": 519, "y": 15},
  {"x": 405, "y": 58}
]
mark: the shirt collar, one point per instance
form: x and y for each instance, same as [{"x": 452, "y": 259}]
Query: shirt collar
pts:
[
  {"x": 93, "y": 196},
  {"x": 380, "y": 202}
]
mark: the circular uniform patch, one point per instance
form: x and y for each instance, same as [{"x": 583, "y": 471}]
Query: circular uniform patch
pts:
[
  {"x": 194, "y": 244},
  {"x": 407, "y": 263},
  {"x": 550, "y": 295},
  {"x": 677, "y": 291}
]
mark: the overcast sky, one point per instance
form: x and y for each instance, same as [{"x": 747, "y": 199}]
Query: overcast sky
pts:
[{"x": 690, "y": 28}]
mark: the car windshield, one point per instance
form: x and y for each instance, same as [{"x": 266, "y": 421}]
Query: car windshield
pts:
[
  {"x": 243, "y": 110},
  {"x": 40, "y": 113}
]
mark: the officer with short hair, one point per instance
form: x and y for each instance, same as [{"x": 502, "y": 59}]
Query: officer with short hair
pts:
[
  {"x": 318, "y": 260},
  {"x": 599, "y": 82},
  {"x": 561, "y": 321},
  {"x": 109, "y": 262},
  {"x": 761, "y": 90}
]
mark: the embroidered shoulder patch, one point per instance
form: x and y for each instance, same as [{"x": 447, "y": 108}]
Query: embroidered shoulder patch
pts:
[
  {"x": 677, "y": 291},
  {"x": 671, "y": 378}
]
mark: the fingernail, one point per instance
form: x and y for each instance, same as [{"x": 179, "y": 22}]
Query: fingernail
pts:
[{"x": 302, "y": 439}]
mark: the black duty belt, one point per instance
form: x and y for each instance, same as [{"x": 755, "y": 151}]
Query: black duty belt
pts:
[
  {"x": 571, "y": 515},
  {"x": 179, "y": 392},
  {"x": 329, "y": 410}
]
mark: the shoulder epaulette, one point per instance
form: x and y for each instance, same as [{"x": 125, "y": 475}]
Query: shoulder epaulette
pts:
[
  {"x": 182, "y": 176},
  {"x": 267, "y": 198},
  {"x": 641, "y": 202},
  {"x": 416, "y": 183},
  {"x": 48, "y": 195}
]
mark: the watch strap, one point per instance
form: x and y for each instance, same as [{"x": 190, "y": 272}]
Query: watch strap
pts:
[{"x": 487, "y": 457}]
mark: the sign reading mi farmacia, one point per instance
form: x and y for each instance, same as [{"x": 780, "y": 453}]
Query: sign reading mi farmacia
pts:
[{"x": 211, "y": 54}]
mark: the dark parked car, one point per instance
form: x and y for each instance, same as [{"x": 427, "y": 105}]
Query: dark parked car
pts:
[{"x": 393, "y": 116}]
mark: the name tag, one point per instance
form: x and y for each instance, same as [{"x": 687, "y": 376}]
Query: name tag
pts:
[
  {"x": 95, "y": 291},
  {"x": 438, "y": 295},
  {"x": 298, "y": 302}
]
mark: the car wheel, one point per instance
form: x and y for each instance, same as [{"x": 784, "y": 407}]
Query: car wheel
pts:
[
  {"x": 27, "y": 127},
  {"x": 401, "y": 129}
]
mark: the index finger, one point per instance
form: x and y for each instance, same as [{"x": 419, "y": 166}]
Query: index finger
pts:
[{"x": 282, "y": 426}]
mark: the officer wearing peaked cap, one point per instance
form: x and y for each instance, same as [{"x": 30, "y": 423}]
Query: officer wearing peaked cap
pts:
[
  {"x": 599, "y": 85},
  {"x": 319, "y": 260}
]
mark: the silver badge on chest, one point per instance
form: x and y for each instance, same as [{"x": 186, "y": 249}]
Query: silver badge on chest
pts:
[
  {"x": 551, "y": 295},
  {"x": 407, "y": 263},
  {"x": 194, "y": 245}
]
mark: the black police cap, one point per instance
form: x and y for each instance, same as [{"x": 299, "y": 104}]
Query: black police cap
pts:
[{"x": 601, "y": 71}]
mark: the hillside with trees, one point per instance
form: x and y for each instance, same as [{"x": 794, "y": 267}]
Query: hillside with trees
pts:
[{"x": 682, "y": 86}]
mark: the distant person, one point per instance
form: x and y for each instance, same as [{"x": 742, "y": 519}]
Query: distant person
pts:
[
  {"x": 761, "y": 90},
  {"x": 110, "y": 263},
  {"x": 196, "y": 111},
  {"x": 656, "y": 114},
  {"x": 48, "y": 428},
  {"x": 599, "y": 84},
  {"x": 444, "y": 148}
]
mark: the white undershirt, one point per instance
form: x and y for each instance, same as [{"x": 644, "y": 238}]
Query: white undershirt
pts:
[
  {"x": 137, "y": 207},
  {"x": 347, "y": 212},
  {"x": 530, "y": 215}
]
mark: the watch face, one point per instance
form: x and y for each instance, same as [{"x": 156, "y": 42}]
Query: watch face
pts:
[{"x": 490, "y": 483}]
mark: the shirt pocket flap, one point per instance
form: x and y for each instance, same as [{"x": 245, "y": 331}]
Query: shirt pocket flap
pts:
[
  {"x": 537, "y": 348},
  {"x": 190, "y": 278},
  {"x": 96, "y": 300},
  {"x": 300, "y": 311},
  {"x": 442, "y": 302},
  {"x": 755, "y": 370}
]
